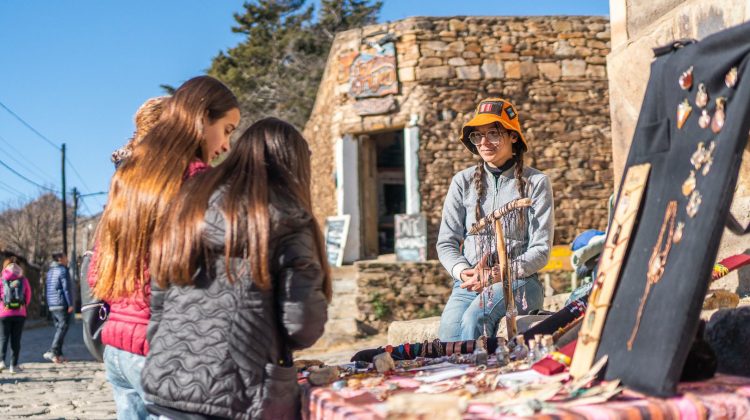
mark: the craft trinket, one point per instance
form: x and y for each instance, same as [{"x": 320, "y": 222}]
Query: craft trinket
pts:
[
  {"x": 677, "y": 236},
  {"x": 689, "y": 185},
  {"x": 718, "y": 121},
  {"x": 705, "y": 119},
  {"x": 703, "y": 157},
  {"x": 683, "y": 112},
  {"x": 686, "y": 79},
  {"x": 694, "y": 203},
  {"x": 731, "y": 78},
  {"x": 657, "y": 263},
  {"x": 701, "y": 98}
]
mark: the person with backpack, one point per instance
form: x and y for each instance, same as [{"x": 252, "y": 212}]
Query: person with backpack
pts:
[
  {"x": 15, "y": 295},
  {"x": 60, "y": 303}
]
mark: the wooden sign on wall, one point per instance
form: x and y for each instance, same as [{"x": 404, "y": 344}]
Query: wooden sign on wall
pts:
[
  {"x": 411, "y": 237},
  {"x": 373, "y": 73},
  {"x": 336, "y": 232}
]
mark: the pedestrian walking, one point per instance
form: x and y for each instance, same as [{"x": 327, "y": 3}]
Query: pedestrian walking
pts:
[
  {"x": 60, "y": 304},
  {"x": 15, "y": 295}
]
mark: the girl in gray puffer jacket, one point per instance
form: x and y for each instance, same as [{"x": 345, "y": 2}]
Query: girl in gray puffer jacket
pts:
[{"x": 239, "y": 281}]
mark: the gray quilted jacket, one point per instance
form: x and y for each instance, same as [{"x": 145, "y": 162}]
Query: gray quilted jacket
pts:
[{"x": 215, "y": 346}]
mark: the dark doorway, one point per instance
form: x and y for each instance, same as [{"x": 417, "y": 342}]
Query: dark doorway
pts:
[{"x": 383, "y": 189}]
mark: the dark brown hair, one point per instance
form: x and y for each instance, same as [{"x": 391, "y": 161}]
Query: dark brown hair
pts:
[
  {"x": 270, "y": 157},
  {"x": 144, "y": 184}
]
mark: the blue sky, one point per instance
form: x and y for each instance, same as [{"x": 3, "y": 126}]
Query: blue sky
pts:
[{"x": 76, "y": 71}]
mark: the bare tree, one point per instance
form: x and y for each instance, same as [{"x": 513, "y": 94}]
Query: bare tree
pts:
[{"x": 32, "y": 230}]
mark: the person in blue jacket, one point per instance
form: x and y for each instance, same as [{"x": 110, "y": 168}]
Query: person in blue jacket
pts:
[{"x": 59, "y": 302}]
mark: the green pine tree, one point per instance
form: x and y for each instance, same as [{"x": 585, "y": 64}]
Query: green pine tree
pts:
[{"x": 277, "y": 69}]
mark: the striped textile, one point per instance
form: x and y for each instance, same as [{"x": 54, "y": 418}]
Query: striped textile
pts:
[{"x": 722, "y": 397}]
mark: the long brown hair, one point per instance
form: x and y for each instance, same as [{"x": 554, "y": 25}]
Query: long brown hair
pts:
[
  {"x": 144, "y": 184},
  {"x": 271, "y": 157}
]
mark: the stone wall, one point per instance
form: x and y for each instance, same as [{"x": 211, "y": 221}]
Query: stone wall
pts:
[
  {"x": 400, "y": 291},
  {"x": 551, "y": 68}
]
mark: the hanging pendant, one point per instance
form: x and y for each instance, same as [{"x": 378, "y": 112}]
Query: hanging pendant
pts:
[
  {"x": 694, "y": 203},
  {"x": 677, "y": 235},
  {"x": 708, "y": 159},
  {"x": 689, "y": 185},
  {"x": 718, "y": 121},
  {"x": 703, "y": 157},
  {"x": 701, "y": 98},
  {"x": 686, "y": 79},
  {"x": 705, "y": 119},
  {"x": 731, "y": 78},
  {"x": 683, "y": 111}
]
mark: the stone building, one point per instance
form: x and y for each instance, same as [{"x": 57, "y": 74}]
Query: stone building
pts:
[
  {"x": 384, "y": 129},
  {"x": 384, "y": 136}
]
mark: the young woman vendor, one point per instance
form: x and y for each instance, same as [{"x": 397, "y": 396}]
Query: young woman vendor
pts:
[{"x": 494, "y": 134}]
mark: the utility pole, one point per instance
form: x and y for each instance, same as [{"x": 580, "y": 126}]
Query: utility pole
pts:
[
  {"x": 74, "y": 257},
  {"x": 64, "y": 206}
]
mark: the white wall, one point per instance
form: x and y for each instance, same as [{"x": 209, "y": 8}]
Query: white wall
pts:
[
  {"x": 347, "y": 192},
  {"x": 411, "y": 166}
]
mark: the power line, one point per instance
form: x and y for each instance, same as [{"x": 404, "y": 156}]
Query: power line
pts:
[
  {"x": 13, "y": 190},
  {"x": 6, "y": 189},
  {"x": 42, "y": 136},
  {"x": 8, "y": 167},
  {"x": 75, "y": 171},
  {"x": 27, "y": 163}
]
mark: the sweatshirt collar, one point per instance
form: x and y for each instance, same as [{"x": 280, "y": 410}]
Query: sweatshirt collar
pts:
[{"x": 506, "y": 170}]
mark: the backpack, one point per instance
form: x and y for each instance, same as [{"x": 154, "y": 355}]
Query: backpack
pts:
[{"x": 13, "y": 296}]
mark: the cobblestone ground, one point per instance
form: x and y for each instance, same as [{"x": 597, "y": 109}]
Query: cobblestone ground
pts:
[
  {"x": 78, "y": 388},
  {"x": 43, "y": 390}
]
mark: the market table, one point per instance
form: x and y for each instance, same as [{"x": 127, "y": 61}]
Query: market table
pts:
[{"x": 722, "y": 397}]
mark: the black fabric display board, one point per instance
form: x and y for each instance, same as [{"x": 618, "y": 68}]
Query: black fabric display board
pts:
[{"x": 671, "y": 314}]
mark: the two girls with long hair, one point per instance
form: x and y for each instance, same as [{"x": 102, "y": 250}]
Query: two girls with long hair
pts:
[
  {"x": 194, "y": 127},
  {"x": 215, "y": 274}
]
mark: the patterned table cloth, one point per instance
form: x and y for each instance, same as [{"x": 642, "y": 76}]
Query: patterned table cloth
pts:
[{"x": 722, "y": 397}]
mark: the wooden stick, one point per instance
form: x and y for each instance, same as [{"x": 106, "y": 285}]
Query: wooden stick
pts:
[
  {"x": 510, "y": 301},
  {"x": 499, "y": 213}
]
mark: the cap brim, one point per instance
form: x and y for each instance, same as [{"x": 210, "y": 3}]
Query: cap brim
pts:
[{"x": 484, "y": 119}]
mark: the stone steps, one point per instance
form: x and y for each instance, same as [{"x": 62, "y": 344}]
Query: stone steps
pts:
[{"x": 342, "y": 323}]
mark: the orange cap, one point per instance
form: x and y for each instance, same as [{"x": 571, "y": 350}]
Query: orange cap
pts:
[{"x": 489, "y": 111}]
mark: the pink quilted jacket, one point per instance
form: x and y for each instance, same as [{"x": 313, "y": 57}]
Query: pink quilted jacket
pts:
[{"x": 128, "y": 319}]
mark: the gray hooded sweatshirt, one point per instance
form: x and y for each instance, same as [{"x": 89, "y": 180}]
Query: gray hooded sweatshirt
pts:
[{"x": 532, "y": 246}]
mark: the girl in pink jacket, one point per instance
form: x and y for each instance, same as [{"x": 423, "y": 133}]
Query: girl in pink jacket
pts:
[{"x": 15, "y": 295}]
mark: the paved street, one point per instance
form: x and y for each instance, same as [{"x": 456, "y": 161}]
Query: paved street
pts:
[
  {"x": 44, "y": 390},
  {"x": 78, "y": 389}
]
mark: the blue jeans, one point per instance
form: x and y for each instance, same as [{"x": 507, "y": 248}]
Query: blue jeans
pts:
[
  {"x": 124, "y": 374},
  {"x": 62, "y": 319},
  {"x": 464, "y": 319}
]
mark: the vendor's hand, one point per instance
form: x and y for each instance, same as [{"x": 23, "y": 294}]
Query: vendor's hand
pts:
[
  {"x": 471, "y": 280},
  {"x": 467, "y": 274},
  {"x": 70, "y": 309}
]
